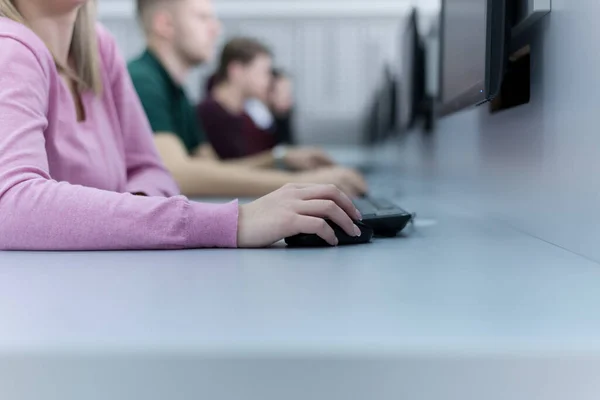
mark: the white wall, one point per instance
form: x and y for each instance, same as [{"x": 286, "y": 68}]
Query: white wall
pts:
[{"x": 335, "y": 50}]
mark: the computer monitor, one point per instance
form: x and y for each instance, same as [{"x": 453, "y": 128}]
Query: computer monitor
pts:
[
  {"x": 381, "y": 117},
  {"x": 371, "y": 132},
  {"x": 411, "y": 87},
  {"x": 389, "y": 99},
  {"x": 474, "y": 46}
]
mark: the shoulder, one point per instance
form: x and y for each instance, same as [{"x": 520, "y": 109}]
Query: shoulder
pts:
[
  {"x": 141, "y": 72},
  {"x": 216, "y": 118},
  {"x": 21, "y": 46},
  {"x": 150, "y": 86},
  {"x": 209, "y": 107},
  {"x": 147, "y": 80},
  {"x": 112, "y": 62},
  {"x": 107, "y": 45}
]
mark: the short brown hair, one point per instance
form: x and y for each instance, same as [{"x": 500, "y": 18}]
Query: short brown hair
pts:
[
  {"x": 242, "y": 50},
  {"x": 144, "y": 7}
]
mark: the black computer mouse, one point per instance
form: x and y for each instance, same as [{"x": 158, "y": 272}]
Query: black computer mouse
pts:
[{"x": 307, "y": 240}]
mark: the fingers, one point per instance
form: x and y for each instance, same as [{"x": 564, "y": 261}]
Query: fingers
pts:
[
  {"x": 356, "y": 181},
  {"x": 318, "y": 226},
  {"x": 330, "y": 210},
  {"x": 349, "y": 190},
  {"x": 313, "y": 164},
  {"x": 297, "y": 185},
  {"x": 323, "y": 160},
  {"x": 330, "y": 192}
]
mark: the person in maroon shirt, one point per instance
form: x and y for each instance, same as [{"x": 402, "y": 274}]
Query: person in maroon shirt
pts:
[
  {"x": 244, "y": 73},
  {"x": 281, "y": 105},
  {"x": 254, "y": 139}
]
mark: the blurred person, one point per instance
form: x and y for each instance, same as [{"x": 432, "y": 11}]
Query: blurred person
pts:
[
  {"x": 281, "y": 105},
  {"x": 270, "y": 120},
  {"x": 260, "y": 114},
  {"x": 181, "y": 34},
  {"x": 245, "y": 74},
  {"x": 255, "y": 128},
  {"x": 78, "y": 167}
]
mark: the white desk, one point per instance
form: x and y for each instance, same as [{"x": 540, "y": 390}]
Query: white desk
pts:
[{"x": 462, "y": 308}]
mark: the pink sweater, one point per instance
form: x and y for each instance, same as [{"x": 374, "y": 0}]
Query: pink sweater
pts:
[{"x": 65, "y": 185}]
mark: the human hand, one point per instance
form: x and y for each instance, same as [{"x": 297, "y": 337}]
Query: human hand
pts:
[
  {"x": 347, "y": 180},
  {"x": 296, "y": 209},
  {"x": 303, "y": 159}
]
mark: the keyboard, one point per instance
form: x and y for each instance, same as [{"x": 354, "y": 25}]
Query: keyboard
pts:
[{"x": 382, "y": 215}]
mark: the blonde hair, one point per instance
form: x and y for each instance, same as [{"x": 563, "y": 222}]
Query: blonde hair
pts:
[{"x": 84, "y": 46}]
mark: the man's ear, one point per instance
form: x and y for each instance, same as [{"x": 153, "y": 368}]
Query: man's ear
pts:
[
  {"x": 234, "y": 70},
  {"x": 163, "y": 24}
]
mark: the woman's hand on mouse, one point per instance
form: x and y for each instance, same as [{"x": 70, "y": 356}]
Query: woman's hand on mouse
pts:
[{"x": 296, "y": 209}]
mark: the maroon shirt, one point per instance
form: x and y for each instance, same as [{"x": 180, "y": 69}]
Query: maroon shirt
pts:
[{"x": 231, "y": 135}]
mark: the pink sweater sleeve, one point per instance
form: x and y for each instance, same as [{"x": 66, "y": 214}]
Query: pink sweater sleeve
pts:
[
  {"x": 145, "y": 171},
  {"x": 39, "y": 213}
]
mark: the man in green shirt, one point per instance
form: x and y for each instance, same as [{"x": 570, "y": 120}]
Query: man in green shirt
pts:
[
  {"x": 182, "y": 34},
  {"x": 165, "y": 102}
]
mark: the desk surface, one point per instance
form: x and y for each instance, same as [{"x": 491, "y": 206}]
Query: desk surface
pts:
[
  {"x": 462, "y": 307},
  {"x": 458, "y": 283}
]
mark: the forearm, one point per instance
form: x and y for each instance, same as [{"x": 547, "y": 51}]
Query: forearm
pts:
[
  {"x": 152, "y": 181},
  {"x": 40, "y": 214},
  {"x": 210, "y": 179}
]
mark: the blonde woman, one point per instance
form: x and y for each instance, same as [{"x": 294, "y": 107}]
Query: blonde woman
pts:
[{"x": 78, "y": 168}]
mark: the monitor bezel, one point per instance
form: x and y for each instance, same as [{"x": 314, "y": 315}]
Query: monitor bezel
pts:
[
  {"x": 496, "y": 53},
  {"x": 418, "y": 90}
]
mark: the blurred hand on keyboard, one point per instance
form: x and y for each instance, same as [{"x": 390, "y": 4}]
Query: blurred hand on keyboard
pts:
[
  {"x": 304, "y": 159},
  {"x": 347, "y": 180}
]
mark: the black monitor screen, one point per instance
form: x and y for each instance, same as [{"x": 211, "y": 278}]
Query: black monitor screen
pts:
[
  {"x": 464, "y": 46},
  {"x": 411, "y": 86},
  {"x": 407, "y": 61}
]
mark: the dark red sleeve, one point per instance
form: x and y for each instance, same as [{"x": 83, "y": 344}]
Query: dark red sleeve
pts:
[
  {"x": 223, "y": 130},
  {"x": 257, "y": 140}
]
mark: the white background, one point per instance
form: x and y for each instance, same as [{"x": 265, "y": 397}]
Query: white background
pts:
[{"x": 335, "y": 50}]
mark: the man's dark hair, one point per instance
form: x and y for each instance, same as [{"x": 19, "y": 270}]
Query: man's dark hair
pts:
[
  {"x": 240, "y": 50},
  {"x": 143, "y": 5}
]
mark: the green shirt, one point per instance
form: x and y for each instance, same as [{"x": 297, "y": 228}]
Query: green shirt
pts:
[{"x": 165, "y": 102}]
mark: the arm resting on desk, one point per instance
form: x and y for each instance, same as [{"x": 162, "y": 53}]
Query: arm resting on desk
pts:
[
  {"x": 209, "y": 177},
  {"x": 39, "y": 213}
]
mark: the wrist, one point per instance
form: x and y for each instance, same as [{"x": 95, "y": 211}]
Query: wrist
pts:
[{"x": 279, "y": 154}]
